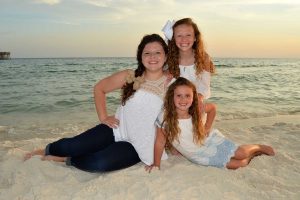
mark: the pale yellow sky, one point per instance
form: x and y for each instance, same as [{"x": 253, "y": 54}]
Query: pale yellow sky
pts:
[{"x": 94, "y": 28}]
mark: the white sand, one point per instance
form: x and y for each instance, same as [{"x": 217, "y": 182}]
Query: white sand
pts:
[{"x": 275, "y": 177}]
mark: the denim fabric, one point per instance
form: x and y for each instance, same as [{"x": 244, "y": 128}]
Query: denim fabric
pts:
[{"x": 95, "y": 150}]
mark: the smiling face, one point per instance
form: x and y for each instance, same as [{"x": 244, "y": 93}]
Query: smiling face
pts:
[
  {"x": 184, "y": 36},
  {"x": 183, "y": 99},
  {"x": 153, "y": 56}
]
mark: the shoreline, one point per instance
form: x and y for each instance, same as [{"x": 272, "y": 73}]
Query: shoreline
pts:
[
  {"x": 264, "y": 178},
  {"x": 261, "y": 121}
]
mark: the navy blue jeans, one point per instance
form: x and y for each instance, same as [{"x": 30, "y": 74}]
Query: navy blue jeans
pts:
[{"x": 95, "y": 150}]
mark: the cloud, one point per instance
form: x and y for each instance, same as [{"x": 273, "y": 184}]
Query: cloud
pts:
[
  {"x": 49, "y": 2},
  {"x": 98, "y": 3}
]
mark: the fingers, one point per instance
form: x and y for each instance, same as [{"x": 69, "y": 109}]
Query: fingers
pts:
[
  {"x": 201, "y": 106},
  {"x": 149, "y": 168},
  {"x": 111, "y": 121},
  {"x": 27, "y": 156}
]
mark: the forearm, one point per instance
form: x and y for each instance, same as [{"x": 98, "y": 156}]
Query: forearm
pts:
[
  {"x": 104, "y": 86},
  {"x": 211, "y": 111},
  {"x": 158, "y": 151},
  {"x": 200, "y": 97},
  {"x": 159, "y": 145},
  {"x": 100, "y": 103}
]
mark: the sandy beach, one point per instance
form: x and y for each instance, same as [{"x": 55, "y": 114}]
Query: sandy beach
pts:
[{"x": 266, "y": 177}]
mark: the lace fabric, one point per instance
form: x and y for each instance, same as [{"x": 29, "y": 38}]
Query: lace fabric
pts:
[{"x": 157, "y": 87}]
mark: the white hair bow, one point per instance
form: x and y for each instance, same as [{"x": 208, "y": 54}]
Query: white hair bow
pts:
[{"x": 168, "y": 29}]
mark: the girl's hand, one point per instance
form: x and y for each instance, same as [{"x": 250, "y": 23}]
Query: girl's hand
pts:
[
  {"x": 201, "y": 105},
  {"x": 111, "y": 121},
  {"x": 149, "y": 168},
  {"x": 169, "y": 76},
  {"x": 207, "y": 131}
]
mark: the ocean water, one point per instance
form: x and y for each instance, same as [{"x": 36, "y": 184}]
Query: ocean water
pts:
[{"x": 55, "y": 96}]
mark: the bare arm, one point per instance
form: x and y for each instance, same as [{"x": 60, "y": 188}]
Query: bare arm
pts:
[
  {"x": 211, "y": 111},
  {"x": 159, "y": 145},
  {"x": 106, "y": 85},
  {"x": 200, "y": 103}
]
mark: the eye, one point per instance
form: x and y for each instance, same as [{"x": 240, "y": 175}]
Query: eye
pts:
[{"x": 146, "y": 54}]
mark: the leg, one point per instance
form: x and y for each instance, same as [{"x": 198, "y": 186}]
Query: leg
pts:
[
  {"x": 251, "y": 150},
  {"x": 92, "y": 140},
  {"x": 118, "y": 155},
  {"x": 235, "y": 164},
  {"x": 245, "y": 153},
  {"x": 40, "y": 152},
  {"x": 54, "y": 158}
]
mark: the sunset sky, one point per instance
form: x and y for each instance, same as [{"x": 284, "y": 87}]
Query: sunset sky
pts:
[{"x": 91, "y": 28}]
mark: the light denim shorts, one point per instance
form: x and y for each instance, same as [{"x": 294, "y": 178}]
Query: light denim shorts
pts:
[{"x": 216, "y": 150}]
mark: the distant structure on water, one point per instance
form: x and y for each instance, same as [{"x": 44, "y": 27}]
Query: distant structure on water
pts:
[{"x": 4, "y": 55}]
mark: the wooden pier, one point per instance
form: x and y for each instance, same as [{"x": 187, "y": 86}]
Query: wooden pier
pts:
[{"x": 4, "y": 55}]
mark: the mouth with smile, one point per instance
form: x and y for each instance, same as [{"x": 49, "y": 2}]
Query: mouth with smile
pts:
[{"x": 153, "y": 62}]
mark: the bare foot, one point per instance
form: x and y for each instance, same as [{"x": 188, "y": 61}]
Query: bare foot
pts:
[
  {"x": 268, "y": 150},
  {"x": 33, "y": 153},
  {"x": 54, "y": 158}
]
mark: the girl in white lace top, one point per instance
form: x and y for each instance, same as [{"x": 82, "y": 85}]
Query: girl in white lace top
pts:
[
  {"x": 180, "y": 125},
  {"x": 127, "y": 137}
]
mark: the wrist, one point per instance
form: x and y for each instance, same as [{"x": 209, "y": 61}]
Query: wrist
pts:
[
  {"x": 155, "y": 165},
  {"x": 102, "y": 118}
]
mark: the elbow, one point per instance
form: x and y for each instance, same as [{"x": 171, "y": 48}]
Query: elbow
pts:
[{"x": 97, "y": 88}]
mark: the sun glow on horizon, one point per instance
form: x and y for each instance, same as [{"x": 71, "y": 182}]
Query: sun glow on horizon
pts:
[{"x": 88, "y": 28}]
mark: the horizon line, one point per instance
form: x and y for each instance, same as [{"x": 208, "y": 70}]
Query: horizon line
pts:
[{"x": 11, "y": 58}]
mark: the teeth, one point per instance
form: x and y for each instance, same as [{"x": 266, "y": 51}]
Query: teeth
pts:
[{"x": 185, "y": 44}]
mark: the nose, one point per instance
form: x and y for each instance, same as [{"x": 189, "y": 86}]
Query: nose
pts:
[
  {"x": 153, "y": 55},
  {"x": 182, "y": 98},
  {"x": 184, "y": 38}
]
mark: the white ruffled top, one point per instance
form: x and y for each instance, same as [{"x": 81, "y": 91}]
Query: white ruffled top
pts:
[{"x": 137, "y": 118}]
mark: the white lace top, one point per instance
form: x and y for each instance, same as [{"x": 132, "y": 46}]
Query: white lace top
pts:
[{"x": 137, "y": 118}]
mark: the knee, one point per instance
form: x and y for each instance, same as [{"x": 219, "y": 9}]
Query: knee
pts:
[
  {"x": 88, "y": 166},
  {"x": 104, "y": 166},
  {"x": 244, "y": 163}
]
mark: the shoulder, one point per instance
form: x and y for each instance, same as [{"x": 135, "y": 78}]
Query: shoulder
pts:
[
  {"x": 113, "y": 82},
  {"x": 122, "y": 75},
  {"x": 159, "y": 120}
]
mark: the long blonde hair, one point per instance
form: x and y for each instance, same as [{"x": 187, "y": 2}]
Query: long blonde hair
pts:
[
  {"x": 170, "y": 119},
  {"x": 202, "y": 59}
]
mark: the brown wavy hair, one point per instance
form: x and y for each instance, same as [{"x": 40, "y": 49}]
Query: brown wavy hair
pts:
[
  {"x": 127, "y": 89},
  {"x": 170, "y": 119},
  {"x": 201, "y": 57}
]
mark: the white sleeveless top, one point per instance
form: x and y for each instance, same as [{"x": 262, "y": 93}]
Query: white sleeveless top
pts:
[
  {"x": 137, "y": 118},
  {"x": 202, "y": 81}
]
